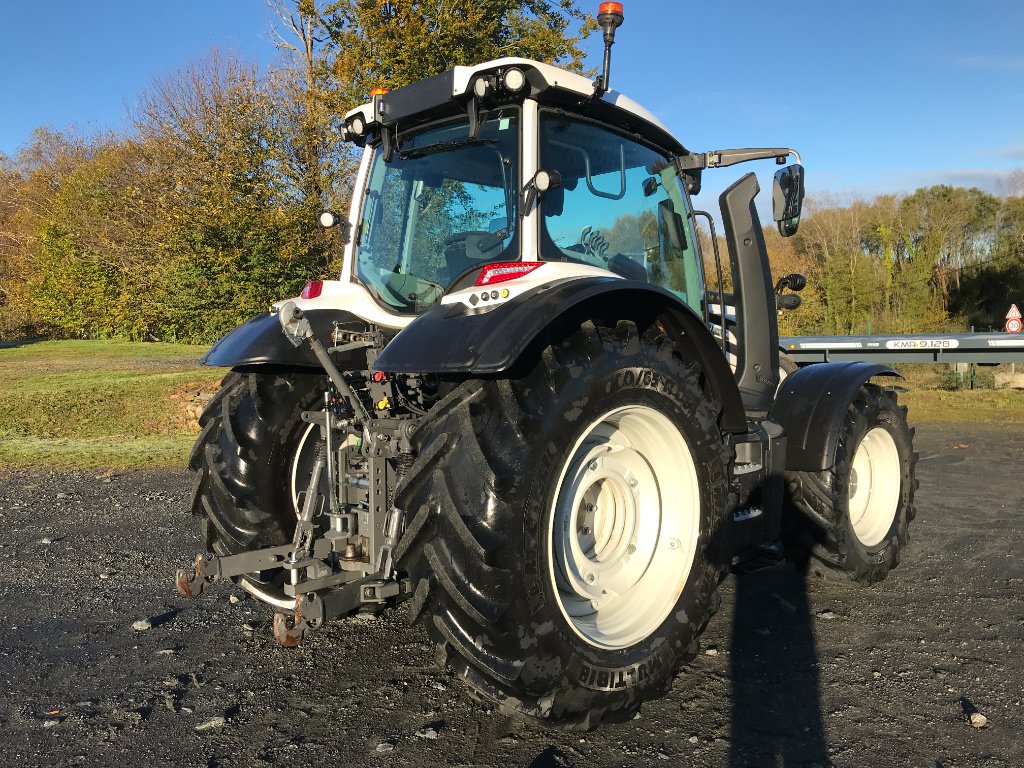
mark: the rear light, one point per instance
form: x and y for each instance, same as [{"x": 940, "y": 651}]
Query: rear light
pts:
[
  {"x": 501, "y": 271},
  {"x": 313, "y": 289}
]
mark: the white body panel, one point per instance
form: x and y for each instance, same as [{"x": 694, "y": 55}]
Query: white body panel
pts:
[{"x": 350, "y": 297}]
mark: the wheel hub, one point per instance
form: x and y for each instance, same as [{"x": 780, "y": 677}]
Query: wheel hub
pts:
[{"x": 624, "y": 526}]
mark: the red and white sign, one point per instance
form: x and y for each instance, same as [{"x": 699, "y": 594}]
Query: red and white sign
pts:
[
  {"x": 1013, "y": 314},
  {"x": 1013, "y": 325}
]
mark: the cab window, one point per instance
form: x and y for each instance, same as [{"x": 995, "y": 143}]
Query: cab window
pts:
[{"x": 620, "y": 207}]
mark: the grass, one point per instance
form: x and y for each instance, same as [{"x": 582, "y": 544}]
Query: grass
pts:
[
  {"x": 928, "y": 399},
  {"x": 100, "y": 404},
  {"x": 125, "y": 405}
]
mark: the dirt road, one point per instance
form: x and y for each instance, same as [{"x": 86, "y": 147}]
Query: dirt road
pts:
[{"x": 883, "y": 676}]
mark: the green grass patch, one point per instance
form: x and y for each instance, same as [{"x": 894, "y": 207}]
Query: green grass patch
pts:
[
  {"x": 937, "y": 394},
  {"x": 96, "y": 404},
  {"x": 982, "y": 406}
]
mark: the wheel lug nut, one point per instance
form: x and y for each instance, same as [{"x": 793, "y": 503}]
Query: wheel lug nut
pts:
[
  {"x": 590, "y": 578},
  {"x": 633, "y": 482},
  {"x": 593, "y": 465},
  {"x": 673, "y": 543}
]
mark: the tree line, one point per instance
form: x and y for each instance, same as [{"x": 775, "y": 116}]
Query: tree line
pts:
[
  {"x": 203, "y": 211},
  {"x": 943, "y": 258}
]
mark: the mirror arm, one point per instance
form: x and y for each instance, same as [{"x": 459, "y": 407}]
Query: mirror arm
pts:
[{"x": 721, "y": 158}]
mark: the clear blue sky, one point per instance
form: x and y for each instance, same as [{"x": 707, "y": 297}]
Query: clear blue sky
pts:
[{"x": 877, "y": 96}]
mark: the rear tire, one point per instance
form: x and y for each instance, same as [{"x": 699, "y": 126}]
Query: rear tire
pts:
[
  {"x": 242, "y": 465},
  {"x": 852, "y": 521},
  {"x": 504, "y": 561}
]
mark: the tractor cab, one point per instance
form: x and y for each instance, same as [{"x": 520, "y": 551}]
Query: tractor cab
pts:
[{"x": 515, "y": 161}]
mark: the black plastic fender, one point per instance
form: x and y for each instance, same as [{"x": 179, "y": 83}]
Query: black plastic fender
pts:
[
  {"x": 452, "y": 338},
  {"x": 811, "y": 404},
  {"x": 260, "y": 341}
]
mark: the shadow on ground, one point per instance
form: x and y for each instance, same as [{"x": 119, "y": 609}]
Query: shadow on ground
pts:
[{"x": 776, "y": 705}]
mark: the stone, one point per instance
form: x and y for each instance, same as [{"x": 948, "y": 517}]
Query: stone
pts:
[
  {"x": 978, "y": 720},
  {"x": 213, "y": 722},
  {"x": 142, "y": 625}
]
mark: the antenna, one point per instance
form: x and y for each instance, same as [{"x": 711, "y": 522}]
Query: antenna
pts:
[{"x": 609, "y": 18}]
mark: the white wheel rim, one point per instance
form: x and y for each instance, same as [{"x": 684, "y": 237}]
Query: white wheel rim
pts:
[
  {"x": 874, "y": 488},
  {"x": 623, "y": 527}
]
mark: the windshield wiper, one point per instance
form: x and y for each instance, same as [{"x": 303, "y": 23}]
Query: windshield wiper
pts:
[{"x": 444, "y": 146}]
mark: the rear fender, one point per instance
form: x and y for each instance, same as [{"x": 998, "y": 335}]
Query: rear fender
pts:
[
  {"x": 811, "y": 404},
  {"x": 260, "y": 342},
  {"x": 454, "y": 338}
]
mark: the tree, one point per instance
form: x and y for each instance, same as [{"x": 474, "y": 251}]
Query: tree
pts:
[{"x": 391, "y": 43}]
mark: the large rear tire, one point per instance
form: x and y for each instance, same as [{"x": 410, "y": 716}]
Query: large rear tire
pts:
[
  {"x": 252, "y": 445},
  {"x": 564, "y": 524},
  {"x": 851, "y": 522}
]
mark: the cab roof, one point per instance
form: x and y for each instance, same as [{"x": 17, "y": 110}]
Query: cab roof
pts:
[{"x": 449, "y": 92}]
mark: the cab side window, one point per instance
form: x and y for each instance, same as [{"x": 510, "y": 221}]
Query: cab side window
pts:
[{"x": 620, "y": 207}]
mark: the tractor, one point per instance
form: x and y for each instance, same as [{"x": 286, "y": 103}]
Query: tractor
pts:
[{"x": 519, "y": 410}]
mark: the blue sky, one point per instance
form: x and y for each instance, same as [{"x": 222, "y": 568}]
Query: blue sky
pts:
[{"x": 877, "y": 96}]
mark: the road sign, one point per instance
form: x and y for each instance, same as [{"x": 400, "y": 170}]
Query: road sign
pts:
[
  {"x": 1013, "y": 314},
  {"x": 1013, "y": 325}
]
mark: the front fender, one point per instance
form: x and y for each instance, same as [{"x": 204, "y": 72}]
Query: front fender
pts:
[
  {"x": 455, "y": 339},
  {"x": 811, "y": 405}
]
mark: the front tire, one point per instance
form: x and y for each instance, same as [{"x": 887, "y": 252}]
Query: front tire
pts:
[
  {"x": 851, "y": 522},
  {"x": 563, "y": 525}
]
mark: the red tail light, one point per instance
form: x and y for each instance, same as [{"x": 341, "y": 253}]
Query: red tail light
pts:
[
  {"x": 313, "y": 289},
  {"x": 501, "y": 271}
]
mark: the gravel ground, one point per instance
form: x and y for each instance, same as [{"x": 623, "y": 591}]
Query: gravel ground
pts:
[{"x": 889, "y": 675}]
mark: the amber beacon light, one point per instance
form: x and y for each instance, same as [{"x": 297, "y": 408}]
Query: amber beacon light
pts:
[{"x": 609, "y": 18}]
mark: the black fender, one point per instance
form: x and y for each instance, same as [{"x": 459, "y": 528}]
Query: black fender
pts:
[
  {"x": 455, "y": 339},
  {"x": 811, "y": 405},
  {"x": 260, "y": 341}
]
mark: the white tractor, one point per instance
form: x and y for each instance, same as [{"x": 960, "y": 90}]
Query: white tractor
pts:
[{"x": 511, "y": 411}]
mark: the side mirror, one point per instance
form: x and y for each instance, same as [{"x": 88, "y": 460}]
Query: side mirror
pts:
[{"x": 787, "y": 198}]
